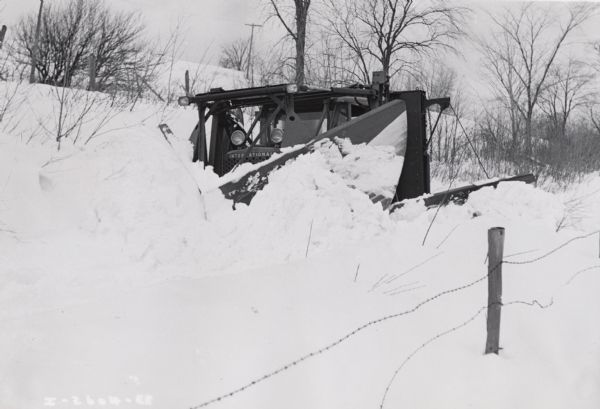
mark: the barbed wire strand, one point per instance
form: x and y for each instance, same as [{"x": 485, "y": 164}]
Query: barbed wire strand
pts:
[
  {"x": 580, "y": 272},
  {"x": 449, "y": 331},
  {"x": 532, "y": 303},
  {"x": 422, "y": 346},
  {"x": 533, "y": 260},
  {"x": 520, "y": 253}
]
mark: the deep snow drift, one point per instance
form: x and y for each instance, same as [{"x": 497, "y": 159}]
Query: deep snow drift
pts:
[{"x": 121, "y": 284}]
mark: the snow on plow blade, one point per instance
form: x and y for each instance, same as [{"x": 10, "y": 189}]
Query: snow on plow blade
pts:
[{"x": 383, "y": 129}]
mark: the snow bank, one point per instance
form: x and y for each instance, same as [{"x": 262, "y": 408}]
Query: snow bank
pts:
[
  {"x": 92, "y": 206},
  {"x": 203, "y": 77}
]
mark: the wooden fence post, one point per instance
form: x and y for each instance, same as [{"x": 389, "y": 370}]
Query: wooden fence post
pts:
[
  {"x": 495, "y": 255},
  {"x": 92, "y": 72},
  {"x": 2, "y": 35},
  {"x": 187, "y": 82},
  {"x": 36, "y": 44}
]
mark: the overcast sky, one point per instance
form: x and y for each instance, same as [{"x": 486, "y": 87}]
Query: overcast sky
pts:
[{"x": 208, "y": 24}]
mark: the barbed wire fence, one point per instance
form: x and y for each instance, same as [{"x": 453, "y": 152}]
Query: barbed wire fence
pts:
[
  {"x": 317, "y": 352},
  {"x": 533, "y": 260}
]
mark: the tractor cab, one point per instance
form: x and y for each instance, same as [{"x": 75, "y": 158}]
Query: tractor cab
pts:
[{"x": 275, "y": 117}]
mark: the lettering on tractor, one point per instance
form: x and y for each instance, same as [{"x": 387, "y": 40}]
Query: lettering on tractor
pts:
[{"x": 287, "y": 121}]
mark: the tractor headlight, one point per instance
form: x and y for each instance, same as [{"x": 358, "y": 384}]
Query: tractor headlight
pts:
[
  {"x": 291, "y": 88},
  {"x": 277, "y": 135},
  {"x": 238, "y": 137},
  {"x": 183, "y": 101}
]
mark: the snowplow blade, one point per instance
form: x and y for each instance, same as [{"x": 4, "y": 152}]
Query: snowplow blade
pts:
[{"x": 383, "y": 128}]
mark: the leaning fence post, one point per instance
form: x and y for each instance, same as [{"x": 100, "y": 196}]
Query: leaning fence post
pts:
[{"x": 495, "y": 255}]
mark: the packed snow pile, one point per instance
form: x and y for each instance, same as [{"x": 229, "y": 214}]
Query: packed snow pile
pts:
[
  {"x": 305, "y": 206},
  {"x": 123, "y": 285},
  {"x": 371, "y": 169}
]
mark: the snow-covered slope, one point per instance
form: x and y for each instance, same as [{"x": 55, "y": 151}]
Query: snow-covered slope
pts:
[
  {"x": 171, "y": 77},
  {"x": 121, "y": 284}
]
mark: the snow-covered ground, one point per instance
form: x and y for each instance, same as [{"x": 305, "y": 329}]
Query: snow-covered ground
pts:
[
  {"x": 120, "y": 284},
  {"x": 171, "y": 78}
]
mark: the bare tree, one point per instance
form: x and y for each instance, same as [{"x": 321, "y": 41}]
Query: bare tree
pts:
[
  {"x": 567, "y": 91},
  {"x": 393, "y": 33},
  {"x": 276, "y": 67},
  {"x": 235, "y": 55},
  {"x": 499, "y": 62},
  {"x": 433, "y": 77},
  {"x": 142, "y": 73},
  {"x": 72, "y": 32},
  {"x": 116, "y": 43},
  {"x": 326, "y": 63},
  {"x": 63, "y": 42},
  {"x": 521, "y": 54},
  {"x": 296, "y": 29}
]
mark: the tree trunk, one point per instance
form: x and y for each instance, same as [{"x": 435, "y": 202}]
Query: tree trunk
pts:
[
  {"x": 528, "y": 133},
  {"x": 300, "y": 46},
  {"x": 301, "y": 18},
  {"x": 385, "y": 64}
]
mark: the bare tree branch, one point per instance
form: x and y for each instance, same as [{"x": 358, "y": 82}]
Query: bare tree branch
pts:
[
  {"x": 300, "y": 19},
  {"x": 385, "y": 34}
]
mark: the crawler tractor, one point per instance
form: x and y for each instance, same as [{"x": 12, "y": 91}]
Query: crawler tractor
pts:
[{"x": 287, "y": 121}]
